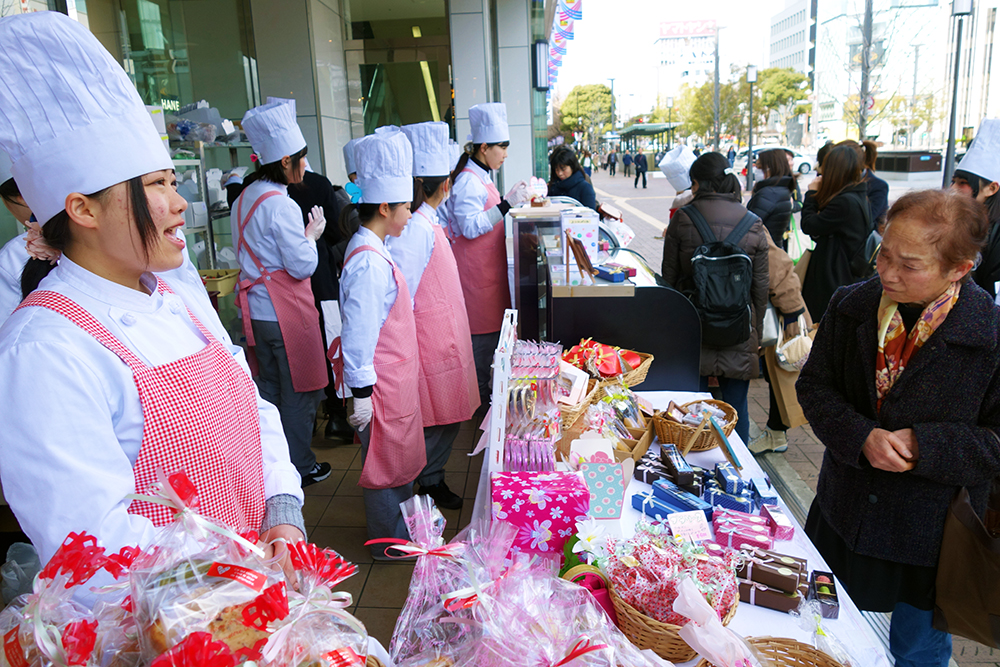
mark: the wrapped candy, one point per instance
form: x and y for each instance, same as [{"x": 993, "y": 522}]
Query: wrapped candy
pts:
[
  {"x": 201, "y": 577},
  {"x": 47, "y": 627},
  {"x": 318, "y": 632}
]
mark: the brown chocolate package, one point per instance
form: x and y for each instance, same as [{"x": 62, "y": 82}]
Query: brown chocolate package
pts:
[
  {"x": 764, "y": 596},
  {"x": 774, "y": 574},
  {"x": 781, "y": 559}
]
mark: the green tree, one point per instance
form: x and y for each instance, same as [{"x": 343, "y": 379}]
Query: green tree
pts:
[
  {"x": 695, "y": 109},
  {"x": 781, "y": 91},
  {"x": 587, "y": 109}
]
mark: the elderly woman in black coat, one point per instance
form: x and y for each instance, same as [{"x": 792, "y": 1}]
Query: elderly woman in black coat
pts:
[{"x": 901, "y": 443}]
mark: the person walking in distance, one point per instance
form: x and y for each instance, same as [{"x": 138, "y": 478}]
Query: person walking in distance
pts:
[
  {"x": 641, "y": 167},
  {"x": 627, "y": 163},
  {"x": 612, "y": 162}
]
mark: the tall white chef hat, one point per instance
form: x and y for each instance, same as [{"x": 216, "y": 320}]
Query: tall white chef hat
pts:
[
  {"x": 431, "y": 153},
  {"x": 5, "y": 165},
  {"x": 456, "y": 153},
  {"x": 349, "y": 162},
  {"x": 983, "y": 158},
  {"x": 489, "y": 123},
  {"x": 70, "y": 119},
  {"x": 273, "y": 131},
  {"x": 385, "y": 167}
]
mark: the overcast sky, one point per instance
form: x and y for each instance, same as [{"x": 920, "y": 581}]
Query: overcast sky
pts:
[{"x": 615, "y": 39}]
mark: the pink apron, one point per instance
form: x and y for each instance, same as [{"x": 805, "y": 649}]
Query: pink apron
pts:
[
  {"x": 199, "y": 415},
  {"x": 396, "y": 451},
  {"x": 296, "y": 310},
  {"x": 482, "y": 264},
  {"x": 449, "y": 391}
]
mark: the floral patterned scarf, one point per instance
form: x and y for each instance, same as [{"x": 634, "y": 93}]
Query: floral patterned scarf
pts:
[{"x": 895, "y": 346}]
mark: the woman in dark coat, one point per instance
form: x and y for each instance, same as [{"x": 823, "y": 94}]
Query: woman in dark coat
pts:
[
  {"x": 717, "y": 197},
  {"x": 773, "y": 199},
  {"x": 835, "y": 214},
  {"x": 901, "y": 443},
  {"x": 567, "y": 178},
  {"x": 878, "y": 189}
]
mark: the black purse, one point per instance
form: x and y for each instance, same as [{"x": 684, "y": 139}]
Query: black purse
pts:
[{"x": 863, "y": 260}]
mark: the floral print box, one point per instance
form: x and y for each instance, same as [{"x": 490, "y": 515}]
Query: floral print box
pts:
[{"x": 544, "y": 506}]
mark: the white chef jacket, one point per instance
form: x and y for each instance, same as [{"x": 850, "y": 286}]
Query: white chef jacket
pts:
[
  {"x": 72, "y": 425},
  {"x": 277, "y": 237},
  {"x": 14, "y": 255},
  {"x": 412, "y": 249},
  {"x": 367, "y": 294},
  {"x": 468, "y": 197}
]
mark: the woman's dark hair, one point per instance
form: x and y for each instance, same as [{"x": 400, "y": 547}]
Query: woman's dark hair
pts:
[
  {"x": 424, "y": 188},
  {"x": 361, "y": 213},
  {"x": 56, "y": 232},
  {"x": 977, "y": 183},
  {"x": 957, "y": 225},
  {"x": 822, "y": 153},
  {"x": 871, "y": 152},
  {"x": 562, "y": 156},
  {"x": 842, "y": 168},
  {"x": 709, "y": 171},
  {"x": 470, "y": 150},
  {"x": 273, "y": 172},
  {"x": 774, "y": 163},
  {"x": 10, "y": 192}
]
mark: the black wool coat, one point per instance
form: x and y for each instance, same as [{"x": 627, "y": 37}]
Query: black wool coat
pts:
[
  {"x": 772, "y": 203},
  {"x": 949, "y": 394}
]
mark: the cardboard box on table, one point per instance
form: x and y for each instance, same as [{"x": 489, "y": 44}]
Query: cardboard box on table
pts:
[{"x": 544, "y": 506}]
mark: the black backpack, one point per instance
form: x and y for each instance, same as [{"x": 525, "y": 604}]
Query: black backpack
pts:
[{"x": 722, "y": 274}]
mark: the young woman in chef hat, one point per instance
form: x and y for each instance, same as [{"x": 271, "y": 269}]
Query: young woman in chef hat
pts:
[
  {"x": 449, "y": 393},
  {"x": 477, "y": 227},
  {"x": 978, "y": 176},
  {"x": 277, "y": 259},
  {"x": 376, "y": 354},
  {"x": 138, "y": 374}
]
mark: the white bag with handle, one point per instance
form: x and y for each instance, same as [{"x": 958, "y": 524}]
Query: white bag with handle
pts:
[{"x": 793, "y": 353}]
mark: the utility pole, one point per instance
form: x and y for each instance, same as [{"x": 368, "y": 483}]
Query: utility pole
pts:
[
  {"x": 718, "y": 121},
  {"x": 961, "y": 9},
  {"x": 866, "y": 69},
  {"x": 613, "y": 105},
  {"x": 913, "y": 100}
]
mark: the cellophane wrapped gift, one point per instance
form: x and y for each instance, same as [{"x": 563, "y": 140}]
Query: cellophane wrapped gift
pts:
[
  {"x": 198, "y": 576},
  {"x": 198, "y": 649},
  {"x": 646, "y": 569},
  {"x": 47, "y": 627},
  {"x": 117, "y": 634},
  {"x": 544, "y": 506},
  {"x": 318, "y": 631},
  {"x": 744, "y": 537}
]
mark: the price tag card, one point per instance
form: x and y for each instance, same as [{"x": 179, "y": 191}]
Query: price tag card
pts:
[{"x": 691, "y": 526}]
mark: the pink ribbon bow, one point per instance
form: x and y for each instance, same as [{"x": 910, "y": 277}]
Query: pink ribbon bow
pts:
[
  {"x": 581, "y": 647},
  {"x": 407, "y": 549}
]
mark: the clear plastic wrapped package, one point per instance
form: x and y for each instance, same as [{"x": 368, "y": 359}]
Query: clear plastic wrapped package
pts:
[{"x": 117, "y": 635}]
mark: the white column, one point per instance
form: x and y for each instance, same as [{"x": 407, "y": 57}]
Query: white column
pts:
[{"x": 514, "y": 51}]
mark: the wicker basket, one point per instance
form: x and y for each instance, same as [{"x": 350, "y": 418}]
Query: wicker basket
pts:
[
  {"x": 372, "y": 661},
  {"x": 583, "y": 568},
  {"x": 784, "y": 652},
  {"x": 637, "y": 375},
  {"x": 661, "y": 638},
  {"x": 570, "y": 413},
  {"x": 222, "y": 281},
  {"x": 669, "y": 431}
]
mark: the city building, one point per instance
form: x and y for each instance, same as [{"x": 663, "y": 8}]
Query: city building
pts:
[
  {"x": 685, "y": 55},
  {"x": 793, "y": 46}
]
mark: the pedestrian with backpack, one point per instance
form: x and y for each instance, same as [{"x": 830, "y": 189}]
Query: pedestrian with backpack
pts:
[{"x": 715, "y": 253}]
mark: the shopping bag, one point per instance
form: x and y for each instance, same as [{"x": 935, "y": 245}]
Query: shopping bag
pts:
[
  {"x": 793, "y": 353},
  {"x": 967, "y": 601},
  {"x": 772, "y": 325}
]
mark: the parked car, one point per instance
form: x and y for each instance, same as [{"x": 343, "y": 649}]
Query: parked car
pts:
[{"x": 802, "y": 163}]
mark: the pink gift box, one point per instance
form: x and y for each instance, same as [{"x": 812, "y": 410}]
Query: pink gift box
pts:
[
  {"x": 727, "y": 517},
  {"x": 744, "y": 537},
  {"x": 544, "y": 506},
  {"x": 781, "y": 526}
]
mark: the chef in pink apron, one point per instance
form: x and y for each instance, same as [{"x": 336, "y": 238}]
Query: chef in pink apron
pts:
[
  {"x": 277, "y": 259},
  {"x": 376, "y": 354},
  {"x": 476, "y": 214},
  {"x": 449, "y": 393},
  {"x": 112, "y": 375}
]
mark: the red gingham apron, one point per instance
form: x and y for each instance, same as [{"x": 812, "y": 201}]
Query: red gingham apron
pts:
[
  {"x": 396, "y": 451},
  {"x": 449, "y": 390},
  {"x": 482, "y": 264},
  {"x": 199, "y": 415},
  {"x": 296, "y": 310}
]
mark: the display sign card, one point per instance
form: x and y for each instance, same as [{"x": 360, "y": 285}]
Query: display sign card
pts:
[{"x": 691, "y": 526}]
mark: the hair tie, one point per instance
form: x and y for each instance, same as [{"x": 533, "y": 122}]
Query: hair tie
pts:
[
  {"x": 253, "y": 157},
  {"x": 37, "y": 246},
  {"x": 730, "y": 171}
]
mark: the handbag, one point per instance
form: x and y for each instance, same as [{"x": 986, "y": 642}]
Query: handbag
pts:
[
  {"x": 772, "y": 325},
  {"x": 863, "y": 260},
  {"x": 967, "y": 598},
  {"x": 793, "y": 354}
]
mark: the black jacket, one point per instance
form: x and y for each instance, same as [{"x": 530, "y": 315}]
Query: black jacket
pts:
[
  {"x": 949, "y": 395},
  {"x": 640, "y": 163},
  {"x": 988, "y": 271},
  {"x": 577, "y": 187},
  {"x": 316, "y": 190},
  {"x": 878, "y": 196},
  {"x": 772, "y": 202},
  {"x": 838, "y": 230}
]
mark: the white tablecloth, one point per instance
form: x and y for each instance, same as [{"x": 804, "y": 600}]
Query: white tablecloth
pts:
[{"x": 850, "y": 627}]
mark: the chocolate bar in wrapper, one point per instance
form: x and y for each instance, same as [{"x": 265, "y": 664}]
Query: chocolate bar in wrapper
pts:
[
  {"x": 676, "y": 497},
  {"x": 650, "y": 471},
  {"x": 744, "y": 537},
  {"x": 675, "y": 463},
  {"x": 764, "y": 596},
  {"x": 729, "y": 479},
  {"x": 793, "y": 562}
]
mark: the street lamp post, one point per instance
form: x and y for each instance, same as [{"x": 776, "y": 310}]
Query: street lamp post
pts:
[
  {"x": 670, "y": 122},
  {"x": 751, "y": 79},
  {"x": 961, "y": 9},
  {"x": 612, "y": 105}
]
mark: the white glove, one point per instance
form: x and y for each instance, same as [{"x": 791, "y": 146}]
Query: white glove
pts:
[
  {"x": 518, "y": 194},
  {"x": 317, "y": 223},
  {"x": 362, "y": 415}
]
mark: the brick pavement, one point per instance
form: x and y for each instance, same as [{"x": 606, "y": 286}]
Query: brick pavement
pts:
[{"x": 647, "y": 212}]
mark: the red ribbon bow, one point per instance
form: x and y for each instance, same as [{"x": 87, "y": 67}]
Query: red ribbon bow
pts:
[
  {"x": 407, "y": 549},
  {"x": 270, "y": 605},
  {"x": 197, "y": 650},
  {"x": 326, "y": 565},
  {"x": 78, "y": 641},
  {"x": 581, "y": 647},
  {"x": 79, "y": 556},
  {"x": 119, "y": 563}
]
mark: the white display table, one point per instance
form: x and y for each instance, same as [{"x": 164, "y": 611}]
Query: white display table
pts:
[{"x": 850, "y": 628}]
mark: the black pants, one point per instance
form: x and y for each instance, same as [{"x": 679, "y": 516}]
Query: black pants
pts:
[
  {"x": 638, "y": 173},
  {"x": 611, "y": 169},
  {"x": 773, "y": 411},
  {"x": 628, "y": 170}
]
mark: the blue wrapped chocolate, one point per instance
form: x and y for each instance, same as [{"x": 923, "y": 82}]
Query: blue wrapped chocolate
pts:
[
  {"x": 680, "y": 499},
  {"x": 652, "y": 506},
  {"x": 729, "y": 479},
  {"x": 742, "y": 502},
  {"x": 763, "y": 492}
]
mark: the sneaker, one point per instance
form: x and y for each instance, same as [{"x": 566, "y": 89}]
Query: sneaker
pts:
[
  {"x": 769, "y": 441},
  {"x": 442, "y": 496},
  {"x": 319, "y": 472}
]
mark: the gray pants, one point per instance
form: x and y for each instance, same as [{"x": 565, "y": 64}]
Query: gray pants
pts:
[
  {"x": 483, "y": 347},
  {"x": 438, "y": 441},
  {"x": 382, "y": 513},
  {"x": 274, "y": 380}
]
